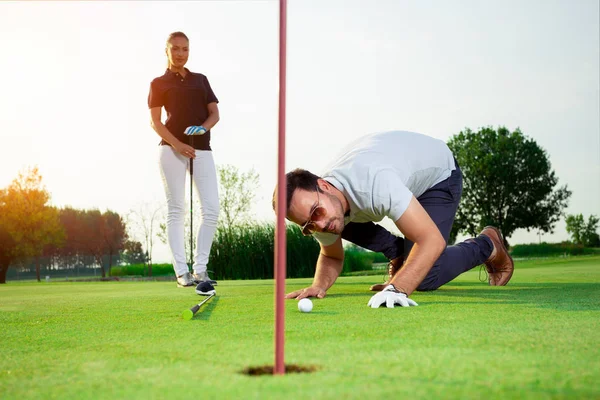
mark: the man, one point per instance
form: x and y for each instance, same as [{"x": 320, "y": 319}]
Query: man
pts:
[{"x": 412, "y": 179}]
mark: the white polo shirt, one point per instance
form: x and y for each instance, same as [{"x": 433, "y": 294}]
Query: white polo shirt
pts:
[{"x": 379, "y": 173}]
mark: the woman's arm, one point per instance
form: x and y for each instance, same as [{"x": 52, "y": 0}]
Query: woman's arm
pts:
[
  {"x": 163, "y": 132},
  {"x": 213, "y": 116}
]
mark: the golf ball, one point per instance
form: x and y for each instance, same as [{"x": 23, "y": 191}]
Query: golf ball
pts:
[{"x": 305, "y": 305}]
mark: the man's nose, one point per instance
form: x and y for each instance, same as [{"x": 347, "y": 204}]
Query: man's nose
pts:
[{"x": 321, "y": 225}]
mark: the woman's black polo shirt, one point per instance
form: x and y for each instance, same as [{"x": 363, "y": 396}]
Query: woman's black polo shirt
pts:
[{"x": 185, "y": 99}]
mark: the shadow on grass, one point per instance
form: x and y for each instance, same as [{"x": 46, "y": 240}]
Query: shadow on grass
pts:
[
  {"x": 320, "y": 312},
  {"x": 556, "y": 296},
  {"x": 206, "y": 310},
  {"x": 336, "y": 295},
  {"x": 247, "y": 282}
]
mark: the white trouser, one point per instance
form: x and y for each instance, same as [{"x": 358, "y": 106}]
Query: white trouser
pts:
[{"x": 173, "y": 168}]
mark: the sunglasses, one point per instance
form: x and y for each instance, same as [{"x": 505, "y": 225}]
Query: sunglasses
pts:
[{"x": 316, "y": 213}]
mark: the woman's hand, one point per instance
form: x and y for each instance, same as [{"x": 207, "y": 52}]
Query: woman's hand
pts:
[{"x": 185, "y": 150}]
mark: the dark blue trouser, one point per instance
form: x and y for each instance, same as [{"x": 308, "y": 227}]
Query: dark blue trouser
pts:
[{"x": 441, "y": 203}]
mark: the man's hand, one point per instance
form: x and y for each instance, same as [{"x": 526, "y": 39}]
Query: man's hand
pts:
[
  {"x": 311, "y": 291},
  {"x": 390, "y": 296}
]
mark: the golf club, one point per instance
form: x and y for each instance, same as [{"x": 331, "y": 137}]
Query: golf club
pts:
[
  {"x": 189, "y": 314},
  {"x": 191, "y": 206}
]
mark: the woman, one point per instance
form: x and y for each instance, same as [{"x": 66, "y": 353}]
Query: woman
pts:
[{"x": 191, "y": 106}]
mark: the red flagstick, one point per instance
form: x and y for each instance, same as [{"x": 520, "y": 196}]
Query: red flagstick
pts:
[{"x": 280, "y": 243}]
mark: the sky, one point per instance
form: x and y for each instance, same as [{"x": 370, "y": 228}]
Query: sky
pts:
[{"x": 76, "y": 75}]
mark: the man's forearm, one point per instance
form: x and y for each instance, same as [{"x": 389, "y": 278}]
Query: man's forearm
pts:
[
  {"x": 328, "y": 270},
  {"x": 417, "y": 265}
]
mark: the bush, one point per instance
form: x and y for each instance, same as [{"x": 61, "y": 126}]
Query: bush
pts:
[
  {"x": 549, "y": 250},
  {"x": 356, "y": 259},
  {"x": 247, "y": 252},
  {"x": 142, "y": 270},
  {"x": 379, "y": 258}
]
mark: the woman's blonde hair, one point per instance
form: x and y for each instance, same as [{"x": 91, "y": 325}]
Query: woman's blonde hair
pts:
[{"x": 176, "y": 35}]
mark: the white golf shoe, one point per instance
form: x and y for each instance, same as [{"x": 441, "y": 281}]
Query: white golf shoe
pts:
[
  {"x": 185, "y": 280},
  {"x": 203, "y": 277}
]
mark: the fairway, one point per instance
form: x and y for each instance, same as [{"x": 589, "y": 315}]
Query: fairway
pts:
[{"x": 537, "y": 338}]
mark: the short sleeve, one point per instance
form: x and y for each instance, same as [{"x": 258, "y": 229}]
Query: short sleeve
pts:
[
  {"x": 156, "y": 95},
  {"x": 326, "y": 239},
  {"x": 210, "y": 95},
  {"x": 390, "y": 197}
]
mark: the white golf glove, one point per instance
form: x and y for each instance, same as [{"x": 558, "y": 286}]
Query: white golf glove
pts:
[
  {"x": 195, "y": 130},
  {"x": 390, "y": 296}
]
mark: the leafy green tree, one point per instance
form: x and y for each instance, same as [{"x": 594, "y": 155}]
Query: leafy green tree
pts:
[
  {"x": 508, "y": 183},
  {"x": 575, "y": 226},
  {"x": 27, "y": 223},
  {"x": 582, "y": 232}
]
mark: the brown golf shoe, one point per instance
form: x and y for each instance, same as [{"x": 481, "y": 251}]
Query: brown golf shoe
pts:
[
  {"x": 500, "y": 267},
  {"x": 393, "y": 267}
]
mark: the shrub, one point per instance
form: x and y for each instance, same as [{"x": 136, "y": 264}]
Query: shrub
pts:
[
  {"x": 142, "y": 270},
  {"x": 247, "y": 252},
  {"x": 549, "y": 249}
]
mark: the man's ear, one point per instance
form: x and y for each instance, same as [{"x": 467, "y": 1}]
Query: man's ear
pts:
[{"x": 323, "y": 185}]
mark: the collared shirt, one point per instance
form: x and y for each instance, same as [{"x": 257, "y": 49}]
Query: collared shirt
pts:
[{"x": 185, "y": 99}]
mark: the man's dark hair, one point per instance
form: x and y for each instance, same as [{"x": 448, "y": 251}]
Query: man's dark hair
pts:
[{"x": 297, "y": 179}]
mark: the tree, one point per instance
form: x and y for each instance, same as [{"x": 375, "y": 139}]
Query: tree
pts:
[
  {"x": 27, "y": 222},
  {"x": 115, "y": 235},
  {"x": 582, "y": 233},
  {"x": 144, "y": 220},
  {"x": 69, "y": 250},
  {"x": 133, "y": 253},
  {"x": 508, "y": 183},
  {"x": 237, "y": 191},
  {"x": 72, "y": 252},
  {"x": 7, "y": 248},
  {"x": 91, "y": 236}
]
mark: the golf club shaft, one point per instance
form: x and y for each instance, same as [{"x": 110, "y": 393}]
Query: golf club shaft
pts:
[
  {"x": 197, "y": 306},
  {"x": 192, "y": 206}
]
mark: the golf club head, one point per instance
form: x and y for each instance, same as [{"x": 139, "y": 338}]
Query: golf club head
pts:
[{"x": 205, "y": 289}]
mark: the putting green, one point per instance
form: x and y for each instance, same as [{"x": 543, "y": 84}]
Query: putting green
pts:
[{"x": 537, "y": 338}]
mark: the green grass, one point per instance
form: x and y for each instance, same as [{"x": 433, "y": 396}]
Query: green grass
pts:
[{"x": 537, "y": 338}]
